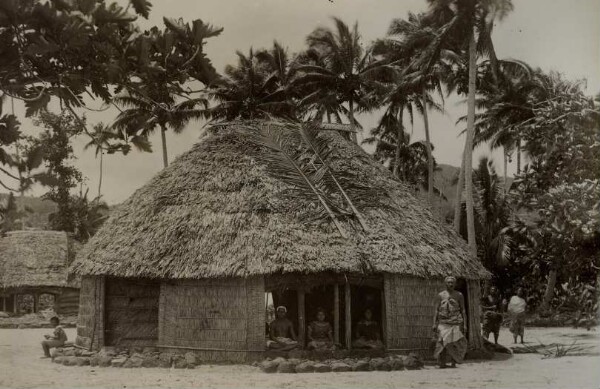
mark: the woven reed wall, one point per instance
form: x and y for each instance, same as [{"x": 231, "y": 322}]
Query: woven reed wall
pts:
[
  {"x": 223, "y": 318},
  {"x": 67, "y": 302},
  {"x": 90, "y": 321},
  {"x": 409, "y": 307},
  {"x": 131, "y": 314}
]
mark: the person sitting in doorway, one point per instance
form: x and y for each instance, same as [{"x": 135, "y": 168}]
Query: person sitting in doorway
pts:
[
  {"x": 281, "y": 332},
  {"x": 320, "y": 333},
  {"x": 367, "y": 333},
  {"x": 57, "y": 339}
]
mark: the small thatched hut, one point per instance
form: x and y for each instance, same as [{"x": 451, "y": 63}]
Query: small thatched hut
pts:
[
  {"x": 35, "y": 263},
  {"x": 188, "y": 260}
]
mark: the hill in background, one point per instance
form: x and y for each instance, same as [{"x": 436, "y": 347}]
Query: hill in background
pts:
[{"x": 38, "y": 210}]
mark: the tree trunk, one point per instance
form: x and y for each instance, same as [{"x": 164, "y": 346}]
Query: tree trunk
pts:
[
  {"x": 163, "y": 137},
  {"x": 460, "y": 186},
  {"x": 519, "y": 156},
  {"x": 100, "y": 179},
  {"x": 549, "y": 293},
  {"x": 469, "y": 146},
  {"x": 505, "y": 168},
  {"x": 351, "y": 114},
  {"x": 429, "y": 153},
  {"x": 399, "y": 142}
]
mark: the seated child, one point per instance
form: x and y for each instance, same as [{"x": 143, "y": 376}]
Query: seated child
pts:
[{"x": 57, "y": 339}]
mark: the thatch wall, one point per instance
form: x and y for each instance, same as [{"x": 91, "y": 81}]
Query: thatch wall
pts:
[
  {"x": 409, "y": 306},
  {"x": 90, "y": 321},
  {"x": 220, "y": 320},
  {"x": 131, "y": 312},
  {"x": 67, "y": 302},
  {"x": 35, "y": 259}
]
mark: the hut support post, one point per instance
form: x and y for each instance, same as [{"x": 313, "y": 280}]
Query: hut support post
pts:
[
  {"x": 36, "y": 305},
  {"x": 301, "y": 317},
  {"x": 336, "y": 314},
  {"x": 15, "y": 303},
  {"x": 3, "y": 304},
  {"x": 348, "y": 316}
]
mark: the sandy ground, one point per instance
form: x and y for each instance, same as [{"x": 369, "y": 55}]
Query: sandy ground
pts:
[{"x": 20, "y": 367}]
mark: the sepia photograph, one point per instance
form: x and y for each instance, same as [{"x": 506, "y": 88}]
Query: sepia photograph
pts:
[{"x": 300, "y": 194}]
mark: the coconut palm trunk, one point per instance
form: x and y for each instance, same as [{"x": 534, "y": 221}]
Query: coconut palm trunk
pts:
[
  {"x": 163, "y": 137},
  {"x": 351, "y": 117},
  {"x": 399, "y": 142},
  {"x": 100, "y": 178},
  {"x": 459, "y": 190},
  {"x": 519, "y": 156},
  {"x": 429, "y": 153},
  {"x": 469, "y": 146},
  {"x": 505, "y": 168},
  {"x": 549, "y": 293}
]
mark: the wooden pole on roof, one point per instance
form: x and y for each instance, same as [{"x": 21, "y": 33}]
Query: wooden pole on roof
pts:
[
  {"x": 336, "y": 313},
  {"x": 301, "y": 318},
  {"x": 347, "y": 296}
]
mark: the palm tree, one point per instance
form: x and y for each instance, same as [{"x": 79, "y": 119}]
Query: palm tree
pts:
[
  {"x": 152, "y": 107},
  {"x": 345, "y": 70},
  {"x": 255, "y": 88},
  {"x": 99, "y": 139},
  {"x": 493, "y": 216},
  {"x": 506, "y": 101},
  {"x": 463, "y": 22},
  {"x": 408, "y": 161}
]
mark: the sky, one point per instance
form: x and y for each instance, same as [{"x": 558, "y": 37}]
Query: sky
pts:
[{"x": 561, "y": 35}]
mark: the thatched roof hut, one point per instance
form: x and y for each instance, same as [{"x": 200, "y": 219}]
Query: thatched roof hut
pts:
[
  {"x": 217, "y": 213},
  {"x": 36, "y": 262}
]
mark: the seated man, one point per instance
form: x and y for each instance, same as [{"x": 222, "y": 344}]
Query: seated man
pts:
[
  {"x": 367, "y": 333},
  {"x": 57, "y": 339},
  {"x": 320, "y": 333},
  {"x": 281, "y": 332}
]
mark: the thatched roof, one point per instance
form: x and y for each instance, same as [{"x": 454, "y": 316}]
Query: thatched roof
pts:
[
  {"x": 217, "y": 212},
  {"x": 35, "y": 258}
]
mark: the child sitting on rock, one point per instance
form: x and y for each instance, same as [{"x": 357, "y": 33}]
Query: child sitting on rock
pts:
[{"x": 57, "y": 339}]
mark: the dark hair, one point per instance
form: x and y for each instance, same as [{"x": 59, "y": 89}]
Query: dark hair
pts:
[
  {"x": 320, "y": 310},
  {"x": 55, "y": 318}
]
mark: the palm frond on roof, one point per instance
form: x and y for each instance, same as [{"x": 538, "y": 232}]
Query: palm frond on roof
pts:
[{"x": 217, "y": 212}]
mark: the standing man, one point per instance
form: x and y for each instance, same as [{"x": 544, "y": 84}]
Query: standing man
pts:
[{"x": 449, "y": 324}]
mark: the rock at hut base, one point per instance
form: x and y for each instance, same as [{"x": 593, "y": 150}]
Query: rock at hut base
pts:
[
  {"x": 58, "y": 359},
  {"x": 165, "y": 360},
  {"x": 69, "y": 352},
  {"x": 107, "y": 350},
  {"x": 269, "y": 366},
  {"x": 151, "y": 361},
  {"x": 396, "y": 364},
  {"x": 150, "y": 350},
  {"x": 412, "y": 362},
  {"x": 297, "y": 354},
  {"x": 380, "y": 364},
  {"x": 179, "y": 362},
  {"x": 322, "y": 368},
  {"x": 118, "y": 362},
  {"x": 86, "y": 353},
  {"x": 191, "y": 360},
  {"x": 286, "y": 367},
  {"x": 135, "y": 361},
  {"x": 77, "y": 352},
  {"x": 340, "y": 367},
  {"x": 104, "y": 361},
  {"x": 82, "y": 361},
  {"x": 305, "y": 367},
  {"x": 361, "y": 365},
  {"x": 70, "y": 361}
]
